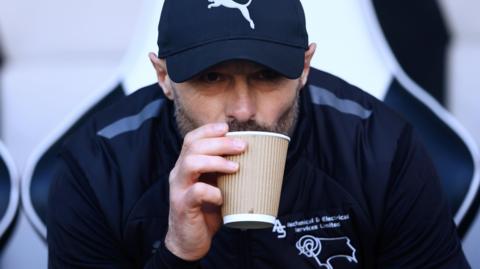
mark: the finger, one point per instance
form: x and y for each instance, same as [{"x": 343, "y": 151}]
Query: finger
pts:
[
  {"x": 218, "y": 146},
  {"x": 194, "y": 165},
  {"x": 201, "y": 193},
  {"x": 206, "y": 131}
]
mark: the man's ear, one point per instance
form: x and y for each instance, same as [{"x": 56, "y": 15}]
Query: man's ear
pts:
[
  {"x": 160, "y": 67},
  {"x": 306, "y": 64}
]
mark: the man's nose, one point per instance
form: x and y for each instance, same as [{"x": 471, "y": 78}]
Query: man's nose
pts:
[{"x": 242, "y": 103}]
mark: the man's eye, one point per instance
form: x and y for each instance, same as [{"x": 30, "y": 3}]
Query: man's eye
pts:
[
  {"x": 211, "y": 77},
  {"x": 268, "y": 74}
]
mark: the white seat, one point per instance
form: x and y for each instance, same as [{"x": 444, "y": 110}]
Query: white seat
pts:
[{"x": 9, "y": 194}]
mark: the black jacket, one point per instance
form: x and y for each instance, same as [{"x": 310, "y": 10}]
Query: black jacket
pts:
[{"x": 359, "y": 192}]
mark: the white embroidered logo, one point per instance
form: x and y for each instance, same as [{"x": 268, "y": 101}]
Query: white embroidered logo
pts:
[
  {"x": 312, "y": 247},
  {"x": 279, "y": 229},
  {"x": 232, "y": 4}
]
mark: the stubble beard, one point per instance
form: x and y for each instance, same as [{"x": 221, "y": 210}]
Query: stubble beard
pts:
[{"x": 285, "y": 125}]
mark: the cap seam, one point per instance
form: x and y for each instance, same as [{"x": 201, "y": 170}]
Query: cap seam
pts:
[
  {"x": 301, "y": 14},
  {"x": 173, "y": 52}
]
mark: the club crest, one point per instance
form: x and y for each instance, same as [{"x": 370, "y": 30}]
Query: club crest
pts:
[{"x": 323, "y": 250}]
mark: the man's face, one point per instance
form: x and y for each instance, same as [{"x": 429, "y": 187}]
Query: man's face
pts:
[{"x": 247, "y": 96}]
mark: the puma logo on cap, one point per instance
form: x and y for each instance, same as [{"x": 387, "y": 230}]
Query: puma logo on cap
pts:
[{"x": 232, "y": 4}]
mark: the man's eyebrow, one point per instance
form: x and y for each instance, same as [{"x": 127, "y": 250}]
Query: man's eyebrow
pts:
[{"x": 235, "y": 67}]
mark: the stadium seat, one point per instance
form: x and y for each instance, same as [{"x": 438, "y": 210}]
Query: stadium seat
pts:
[
  {"x": 132, "y": 73},
  {"x": 453, "y": 151},
  {"x": 8, "y": 191}
]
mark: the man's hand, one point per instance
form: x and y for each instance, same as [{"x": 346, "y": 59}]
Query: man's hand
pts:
[{"x": 194, "y": 215}]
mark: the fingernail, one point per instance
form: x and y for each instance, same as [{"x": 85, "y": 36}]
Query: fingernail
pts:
[
  {"x": 239, "y": 144},
  {"x": 220, "y": 127},
  {"x": 233, "y": 165}
]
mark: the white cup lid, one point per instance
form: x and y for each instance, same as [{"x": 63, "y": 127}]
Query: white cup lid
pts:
[
  {"x": 258, "y": 133},
  {"x": 249, "y": 221}
]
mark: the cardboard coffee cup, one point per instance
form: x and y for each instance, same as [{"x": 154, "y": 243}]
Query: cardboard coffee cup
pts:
[{"x": 251, "y": 196}]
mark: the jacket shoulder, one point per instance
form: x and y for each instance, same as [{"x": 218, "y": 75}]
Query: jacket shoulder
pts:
[{"x": 115, "y": 153}]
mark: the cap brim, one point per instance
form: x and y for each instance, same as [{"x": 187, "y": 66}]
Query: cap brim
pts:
[{"x": 286, "y": 60}]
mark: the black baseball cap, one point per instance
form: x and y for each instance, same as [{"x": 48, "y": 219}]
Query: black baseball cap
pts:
[{"x": 194, "y": 35}]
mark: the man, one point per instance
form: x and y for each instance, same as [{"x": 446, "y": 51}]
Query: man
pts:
[{"x": 137, "y": 185}]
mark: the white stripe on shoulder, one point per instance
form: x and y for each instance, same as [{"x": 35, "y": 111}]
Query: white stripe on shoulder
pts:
[
  {"x": 132, "y": 123},
  {"x": 324, "y": 97}
]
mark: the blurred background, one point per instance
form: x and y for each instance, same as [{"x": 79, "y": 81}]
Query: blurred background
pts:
[{"x": 57, "y": 58}]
